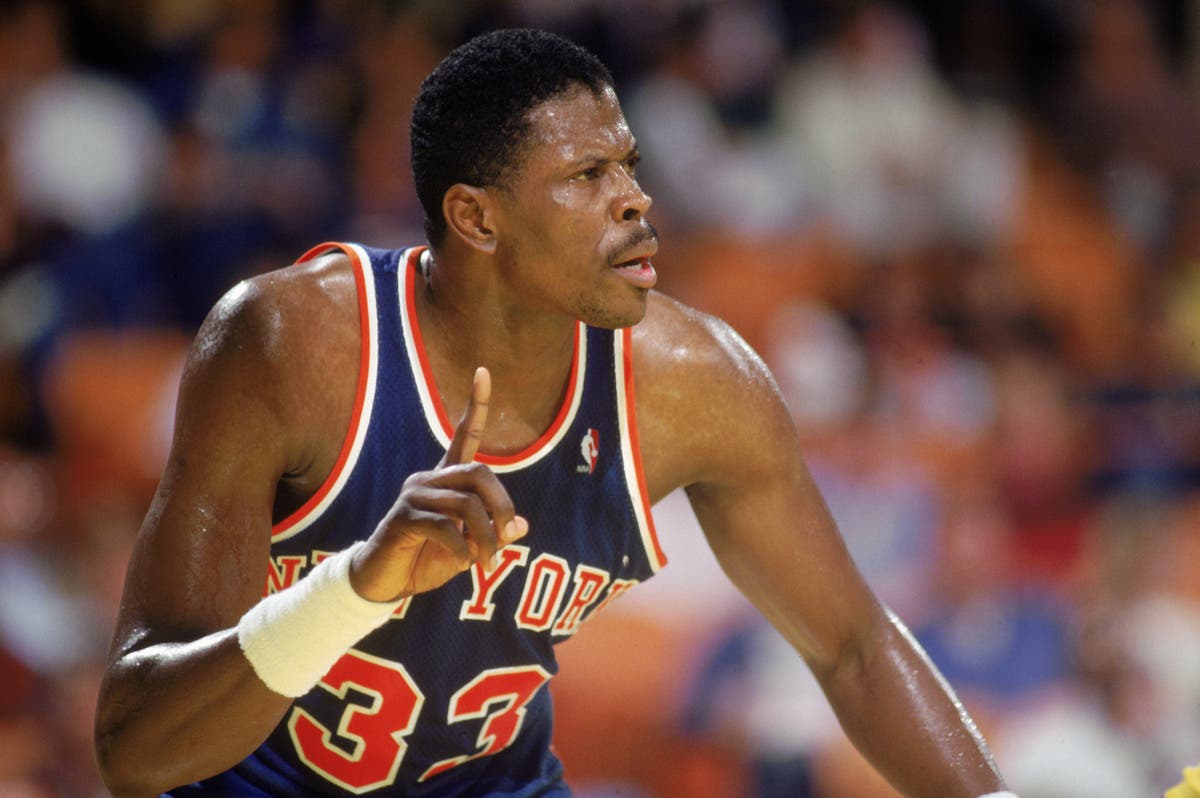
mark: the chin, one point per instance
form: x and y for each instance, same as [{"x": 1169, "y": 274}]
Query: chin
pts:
[{"x": 612, "y": 317}]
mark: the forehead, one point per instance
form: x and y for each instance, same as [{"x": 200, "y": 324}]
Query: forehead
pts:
[{"x": 579, "y": 124}]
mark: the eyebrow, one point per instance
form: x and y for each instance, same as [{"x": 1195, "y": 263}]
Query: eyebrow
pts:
[{"x": 588, "y": 160}]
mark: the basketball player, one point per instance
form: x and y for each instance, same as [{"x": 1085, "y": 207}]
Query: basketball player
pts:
[{"x": 417, "y": 574}]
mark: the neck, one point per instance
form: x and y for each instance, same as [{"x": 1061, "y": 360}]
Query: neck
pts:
[{"x": 467, "y": 321}]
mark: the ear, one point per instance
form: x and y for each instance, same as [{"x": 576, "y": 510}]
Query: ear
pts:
[{"x": 469, "y": 215}]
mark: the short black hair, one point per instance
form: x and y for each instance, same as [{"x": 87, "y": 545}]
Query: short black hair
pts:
[{"x": 470, "y": 118}]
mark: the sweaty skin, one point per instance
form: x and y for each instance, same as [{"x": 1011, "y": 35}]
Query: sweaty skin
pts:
[{"x": 267, "y": 397}]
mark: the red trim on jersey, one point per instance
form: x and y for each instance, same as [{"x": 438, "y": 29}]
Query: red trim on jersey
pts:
[
  {"x": 360, "y": 392},
  {"x": 635, "y": 446},
  {"x": 436, "y": 399}
]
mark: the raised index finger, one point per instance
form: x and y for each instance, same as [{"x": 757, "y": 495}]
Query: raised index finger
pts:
[{"x": 469, "y": 432}]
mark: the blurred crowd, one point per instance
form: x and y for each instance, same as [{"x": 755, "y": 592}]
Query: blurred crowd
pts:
[{"x": 965, "y": 236}]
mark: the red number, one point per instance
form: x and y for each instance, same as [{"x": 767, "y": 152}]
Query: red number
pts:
[
  {"x": 376, "y": 731},
  {"x": 513, "y": 687}
]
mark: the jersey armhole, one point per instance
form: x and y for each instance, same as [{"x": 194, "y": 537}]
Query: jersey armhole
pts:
[
  {"x": 635, "y": 475},
  {"x": 364, "y": 393}
]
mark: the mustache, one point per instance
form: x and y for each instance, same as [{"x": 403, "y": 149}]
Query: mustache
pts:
[{"x": 645, "y": 232}]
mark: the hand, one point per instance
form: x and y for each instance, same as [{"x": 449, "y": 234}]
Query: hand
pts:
[{"x": 444, "y": 520}]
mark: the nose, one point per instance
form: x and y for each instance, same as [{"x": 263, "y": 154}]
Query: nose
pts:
[{"x": 631, "y": 202}]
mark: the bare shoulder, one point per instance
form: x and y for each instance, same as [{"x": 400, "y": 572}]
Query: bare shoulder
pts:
[
  {"x": 257, "y": 422},
  {"x": 277, "y": 359},
  {"x": 705, "y": 399},
  {"x": 689, "y": 360},
  {"x": 284, "y": 328},
  {"x": 280, "y": 313}
]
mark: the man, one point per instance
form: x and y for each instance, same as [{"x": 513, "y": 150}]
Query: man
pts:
[{"x": 314, "y": 415}]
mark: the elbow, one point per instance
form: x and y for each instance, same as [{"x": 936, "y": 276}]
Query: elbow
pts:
[
  {"x": 121, "y": 778},
  {"x": 859, "y": 651},
  {"x": 121, "y": 775},
  {"x": 124, "y": 773}
]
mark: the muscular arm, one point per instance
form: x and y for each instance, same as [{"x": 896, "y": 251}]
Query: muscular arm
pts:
[
  {"x": 711, "y": 419},
  {"x": 180, "y": 701},
  {"x": 264, "y": 406}
]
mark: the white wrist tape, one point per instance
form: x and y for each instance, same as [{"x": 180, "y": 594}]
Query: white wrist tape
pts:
[
  {"x": 292, "y": 638},
  {"x": 1003, "y": 794}
]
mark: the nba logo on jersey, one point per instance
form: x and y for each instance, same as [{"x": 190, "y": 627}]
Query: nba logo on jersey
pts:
[{"x": 589, "y": 447}]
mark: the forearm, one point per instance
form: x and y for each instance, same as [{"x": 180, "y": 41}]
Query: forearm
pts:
[
  {"x": 218, "y": 698},
  {"x": 174, "y": 713},
  {"x": 905, "y": 719}
]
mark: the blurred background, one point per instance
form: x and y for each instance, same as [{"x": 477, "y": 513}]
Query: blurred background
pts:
[{"x": 965, "y": 235}]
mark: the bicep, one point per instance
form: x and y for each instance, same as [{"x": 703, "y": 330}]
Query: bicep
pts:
[
  {"x": 774, "y": 537},
  {"x": 200, "y": 558},
  {"x": 765, "y": 518}
]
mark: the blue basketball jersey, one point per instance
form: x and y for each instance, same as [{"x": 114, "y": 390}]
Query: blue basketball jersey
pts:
[{"x": 449, "y": 697}]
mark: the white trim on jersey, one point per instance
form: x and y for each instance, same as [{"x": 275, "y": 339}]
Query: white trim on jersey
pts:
[
  {"x": 431, "y": 406},
  {"x": 363, "y": 271},
  {"x": 639, "y": 502}
]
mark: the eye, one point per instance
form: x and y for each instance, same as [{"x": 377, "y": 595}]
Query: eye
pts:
[
  {"x": 591, "y": 173},
  {"x": 631, "y": 163}
]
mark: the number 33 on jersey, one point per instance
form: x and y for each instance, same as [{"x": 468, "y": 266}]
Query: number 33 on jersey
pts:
[{"x": 450, "y": 691}]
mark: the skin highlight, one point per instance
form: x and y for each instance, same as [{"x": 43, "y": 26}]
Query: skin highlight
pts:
[{"x": 266, "y": 401}]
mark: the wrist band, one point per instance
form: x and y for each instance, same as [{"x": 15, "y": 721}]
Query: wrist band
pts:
[
  {"x": 292, "y": 638},
  {"x": 1001, "y": 794}
]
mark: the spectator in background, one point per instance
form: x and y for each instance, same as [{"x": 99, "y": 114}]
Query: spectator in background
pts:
[
  {"x": 1028, "y": 168},
  {"x": 1003, "y": 643},
  {"x": 870, "y": 128},
  {"x": 711, "y": 166}
]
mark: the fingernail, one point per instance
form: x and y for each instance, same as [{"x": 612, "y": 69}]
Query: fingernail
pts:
[{"x": 515, "y": 528}]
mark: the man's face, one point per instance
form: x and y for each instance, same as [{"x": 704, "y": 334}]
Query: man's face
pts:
[{"x": 572, "y": 236}]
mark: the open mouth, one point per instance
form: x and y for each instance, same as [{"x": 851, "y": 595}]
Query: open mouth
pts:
[
  {"x": 638, "y": 271},
  {"x": 632, "y": 263}
]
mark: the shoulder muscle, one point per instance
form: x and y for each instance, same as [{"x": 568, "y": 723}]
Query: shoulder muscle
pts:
[
  {"x": 242, "y": 423},
  {"x": 708, "y": 406}
]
